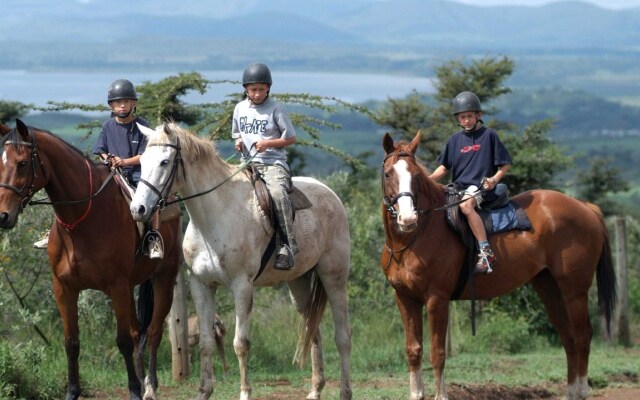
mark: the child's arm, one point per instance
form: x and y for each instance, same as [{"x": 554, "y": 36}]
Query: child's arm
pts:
[
  {"x": 492, "y": 181},
  {"x": 439, "y": 173}
]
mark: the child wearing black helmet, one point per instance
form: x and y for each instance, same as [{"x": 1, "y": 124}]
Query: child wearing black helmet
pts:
[
  {"x": 477, "y": 159},
  {"x": 120, "y": 144},
  {"x": 262, "y": 128}
]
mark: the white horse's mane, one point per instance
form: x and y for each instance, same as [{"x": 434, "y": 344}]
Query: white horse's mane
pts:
[{"x": 197, "y": 152}]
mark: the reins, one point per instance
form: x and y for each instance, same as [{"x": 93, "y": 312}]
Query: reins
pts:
[{"x": 178, "y": 162}]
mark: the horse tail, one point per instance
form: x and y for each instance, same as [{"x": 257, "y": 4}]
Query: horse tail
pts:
[
  {"x": 311, "y": 318},
  {"x": 606, "y": 276},
  {"x": 144, "y": 309}
]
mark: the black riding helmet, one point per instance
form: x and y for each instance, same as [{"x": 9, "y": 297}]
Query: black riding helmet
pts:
[
  {"x": 121, "y": 89},
  {"x": 256, "y": 73},
  {"x": 466, "y": 101}
]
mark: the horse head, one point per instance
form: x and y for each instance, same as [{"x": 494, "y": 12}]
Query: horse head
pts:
[
  {"x": 401, "y": 181},
  {"x": 160, "y": 163},
  {"x": 18, "y": 172}
]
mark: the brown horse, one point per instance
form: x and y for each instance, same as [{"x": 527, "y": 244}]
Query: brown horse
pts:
[
  {"x": 423, "y": 257},
  {"x": 93, "y": 245}
]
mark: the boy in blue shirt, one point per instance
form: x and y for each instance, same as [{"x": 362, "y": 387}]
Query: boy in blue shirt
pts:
[{"x": 477, "y": 159}]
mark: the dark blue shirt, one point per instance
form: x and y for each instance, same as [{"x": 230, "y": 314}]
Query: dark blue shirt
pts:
[
  {"x": 124, "y": 141},
  {"x": 473, "y": 156}
]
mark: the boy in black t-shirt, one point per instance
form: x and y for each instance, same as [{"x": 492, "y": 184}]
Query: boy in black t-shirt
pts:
[{"x": 477, "y": 159}]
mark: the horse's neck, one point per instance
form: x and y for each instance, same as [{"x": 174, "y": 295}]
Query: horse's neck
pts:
[
  {"x": 70, "y": 177},
  {"x": 231, "y": 196}
]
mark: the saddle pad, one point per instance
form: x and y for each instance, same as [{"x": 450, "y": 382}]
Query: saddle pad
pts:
[{"x": 505, "y": 218}]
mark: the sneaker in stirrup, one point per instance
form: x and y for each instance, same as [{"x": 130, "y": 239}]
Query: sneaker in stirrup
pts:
[
  {"x": 156, "y": 247},
  {"x": 486, "y": 259},
  {"x": 43, "y": 242}
]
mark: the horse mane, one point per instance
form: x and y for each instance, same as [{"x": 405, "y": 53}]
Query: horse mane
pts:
[
  {"x": 197, "y": 151},
  {"x": 14, "y": 135}
]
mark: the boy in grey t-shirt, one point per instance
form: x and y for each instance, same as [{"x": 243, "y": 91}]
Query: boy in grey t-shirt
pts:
[{"x": 262, "y": 127}]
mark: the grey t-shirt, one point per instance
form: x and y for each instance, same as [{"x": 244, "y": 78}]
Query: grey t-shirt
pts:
[{"x": 268, "y": 120}]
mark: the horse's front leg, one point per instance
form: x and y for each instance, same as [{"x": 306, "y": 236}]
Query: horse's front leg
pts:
[
  {"x": 411, "y": 313},
  {"x": 204, "y": 301},
  {"x": 67, "y": 302},
  {"x": 243, "y": 297},
  {"x": 122, "y": 303},
  {"x": 163, "y": 286},
  {"x": 438, "y": 316}
]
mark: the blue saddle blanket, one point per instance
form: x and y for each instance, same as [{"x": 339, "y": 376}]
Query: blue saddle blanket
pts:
[{"x": 511, "y": 216}]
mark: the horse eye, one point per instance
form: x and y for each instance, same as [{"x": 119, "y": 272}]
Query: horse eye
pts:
[
  {"x": 164, "y": 162},
  {"x": 22, "y": 164}
]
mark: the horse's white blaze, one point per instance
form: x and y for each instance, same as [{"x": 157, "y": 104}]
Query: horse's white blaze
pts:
[
  {"x": 4, "y": 158},
  {"x": 406, "y": 212}
]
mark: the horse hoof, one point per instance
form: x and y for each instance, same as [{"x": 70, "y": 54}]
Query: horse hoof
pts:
[{"x": 313, "y": 396}]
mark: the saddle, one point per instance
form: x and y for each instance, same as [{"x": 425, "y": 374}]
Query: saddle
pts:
[
  {"x": 299, "y": 201},
  {"x": 499, "y": 214}
]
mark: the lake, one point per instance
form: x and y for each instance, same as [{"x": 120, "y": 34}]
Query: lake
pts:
[{"x": 91, "y": 87}]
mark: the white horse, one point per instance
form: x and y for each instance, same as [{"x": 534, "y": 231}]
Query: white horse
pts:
[{"x": 225, "y": 241}]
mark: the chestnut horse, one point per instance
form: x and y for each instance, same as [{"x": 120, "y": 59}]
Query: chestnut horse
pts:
[
  {"x": 92, "y": 245},
  {"x": 423, "y": 257}
]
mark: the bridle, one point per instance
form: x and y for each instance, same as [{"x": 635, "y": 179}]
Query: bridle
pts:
[
  {"x": 163, "y": 193},
  {"x": 34, "y": 161},
  {"x": 389, "y": 203},
  {"x": 178, "y": 162},
  {"x": 389, "y": 206}
]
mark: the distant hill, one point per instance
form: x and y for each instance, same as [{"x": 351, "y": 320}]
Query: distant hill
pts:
[
  {"x": 406, "y": 23},
  {"x": 572, "y": 44}
]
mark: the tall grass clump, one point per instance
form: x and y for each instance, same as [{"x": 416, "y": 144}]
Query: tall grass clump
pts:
[{"x": 23, "y": 374}]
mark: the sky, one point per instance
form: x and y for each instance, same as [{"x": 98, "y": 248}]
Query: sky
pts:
[{"x": 611, "y": 4}]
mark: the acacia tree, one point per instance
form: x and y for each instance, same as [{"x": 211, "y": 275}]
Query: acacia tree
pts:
[{"x": 10, "y": 110}]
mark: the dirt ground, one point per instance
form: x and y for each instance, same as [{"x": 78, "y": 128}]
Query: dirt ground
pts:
[
  {"x": 498, "y": 392},
  {"x": 456, "y": 392}
]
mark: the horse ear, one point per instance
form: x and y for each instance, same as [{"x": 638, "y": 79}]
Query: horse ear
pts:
[
  {"x": 387, "y": 143},
  {"x": 22, "y": 128},
  {"x": 145, "y": 130},
  {"x": 415, "y": 142}
]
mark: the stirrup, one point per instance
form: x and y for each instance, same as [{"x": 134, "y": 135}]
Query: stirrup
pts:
[
  {"x": 284, "y": 261},
  {"x": 486, "y": 259},
  {"x": 154, "y": 247}
]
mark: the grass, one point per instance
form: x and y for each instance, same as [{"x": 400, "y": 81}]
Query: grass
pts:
[
  {"x": 378, "y": 363},
  {"x": 610, "y": 366}
]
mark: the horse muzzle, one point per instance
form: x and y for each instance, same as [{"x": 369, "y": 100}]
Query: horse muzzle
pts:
[
  {"x": 407, "y": 223},
  {"x": 140, "y": 212},
  {"x": 8, "y": 220}
]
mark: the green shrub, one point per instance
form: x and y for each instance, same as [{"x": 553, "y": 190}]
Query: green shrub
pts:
[
  {"x": 22, "y": 375},
  {"x": 498, "y": 333}
]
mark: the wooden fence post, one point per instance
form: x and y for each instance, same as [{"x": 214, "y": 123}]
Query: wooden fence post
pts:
[
  {"x": 621, "y": 317},
  {"x": 178, "y": 331}
]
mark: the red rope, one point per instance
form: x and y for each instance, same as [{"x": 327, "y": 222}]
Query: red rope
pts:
[{"x": 70, "y": 227}]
